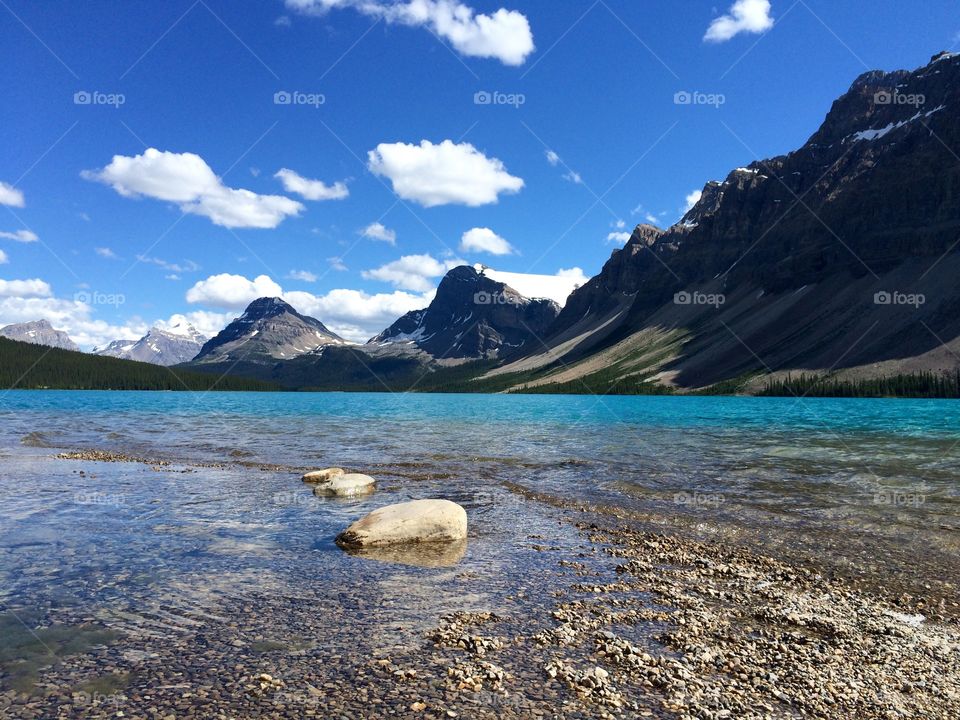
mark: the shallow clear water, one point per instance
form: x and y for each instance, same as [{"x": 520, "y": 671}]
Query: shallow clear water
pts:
[
  {"x": 153, "y": 552},
  {"x": 787, "y": 455}
]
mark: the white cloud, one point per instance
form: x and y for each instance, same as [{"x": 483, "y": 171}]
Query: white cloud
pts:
[
  {"x": 3, "y": 258},
  {"x": 35, "y": 288},
  {"x": 185, "y": 266},
  {"x": 9, "y": 195},
  {"x": 692, "y": 199},
  {"x": 282, "y": 21},
  {"x": 749, "y": 16},
  {"x": 105, "y": 252},
  {"x": 336, "y": 263},
  {"x": 618, "y": 238},
  {"x": 187, "y": 180},
  {"x": 504, "y": 35},
  {"x": 651, "y": 218},
  {"x": 244, "y": 209},
  {"x": 302, "y": 275},
  {"x": 412, "y": 272},
  {"x": 571, "y": 175},
  {"x": 555, "y": 287},
  {"x": 485, "y": 240},
  {"x": 24, "y": 236},
  {"x": 442, "y": 174},
  {"x": 378, "y": 231},
  {"x": 71, "y": 316},
  {"x": 232, "y": 291},
  {"x": 28, "y": 300},
  {"x": 311, "y": 189},
  {"x": 352, "y": 314}
]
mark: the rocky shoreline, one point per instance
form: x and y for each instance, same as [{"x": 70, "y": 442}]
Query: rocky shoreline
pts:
[
  {"x": 638, "y": 625},
  {"x": 615, "y": 620}
]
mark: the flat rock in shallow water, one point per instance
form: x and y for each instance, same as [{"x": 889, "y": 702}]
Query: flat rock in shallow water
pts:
[
  {"x": 345, "y": 486},
  {"x": 410, "y": 522},
  {"x": 322, "y": 476}
]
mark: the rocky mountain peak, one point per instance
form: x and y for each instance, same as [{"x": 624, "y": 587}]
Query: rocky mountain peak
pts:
[
  {"x": 267, "y": 307},
  {"x": 472, "y": 316},
  {"x": 38, "y": 332},
  {"x": 644, "y": 234},
  {"x": 880, "y": 100},
  {"x": 709, "y": 201},
  {"x": 269, "y": 329}
]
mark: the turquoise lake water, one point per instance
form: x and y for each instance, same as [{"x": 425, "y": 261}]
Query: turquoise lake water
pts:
[
  {"x": 809, "y": 458},
  {"x": 151, "y": 551}
]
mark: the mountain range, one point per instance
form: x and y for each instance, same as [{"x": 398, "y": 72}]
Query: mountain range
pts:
[
  {"x": 837, "y": 260},
  {"x": 171, "y": 346}
]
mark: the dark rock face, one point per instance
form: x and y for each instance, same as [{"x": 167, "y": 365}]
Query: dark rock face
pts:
[
  {"x": 38, "y": 332},
  {"x": 617, "y": 280},
  {"x": 269, "y": 330},
  {"x": 473, "y": 316},
  {"x": 160, "y": 347},
  {"x": 877, "y": 185}
]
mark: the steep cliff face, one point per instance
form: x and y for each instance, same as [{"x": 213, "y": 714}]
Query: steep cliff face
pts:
[
  {"x": 872, "y": 198},
  {"x": 269, "y": 330},
  {"x": 618, "y": 280},
  {"x": 473, "y": 316}
]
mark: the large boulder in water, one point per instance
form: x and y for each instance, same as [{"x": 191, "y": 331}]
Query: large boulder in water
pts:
[
  {"x": 417, "y": 521},
  {"x": 345, "y": 486}
]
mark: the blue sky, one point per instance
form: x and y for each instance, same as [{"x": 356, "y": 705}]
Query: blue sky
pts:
[{"x": 142, "y": 141}]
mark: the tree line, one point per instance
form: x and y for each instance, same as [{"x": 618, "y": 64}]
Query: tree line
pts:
[
  {"x": 27, "y": 366},
  {"x": 912, "y": 385}
]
